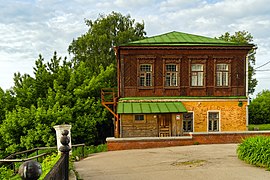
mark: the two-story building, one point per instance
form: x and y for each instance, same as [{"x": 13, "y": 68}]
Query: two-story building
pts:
[{"x": 175, "y": 83}]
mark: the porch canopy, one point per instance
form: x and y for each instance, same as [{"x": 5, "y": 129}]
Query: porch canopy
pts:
[{"x": 150, "y": 107}]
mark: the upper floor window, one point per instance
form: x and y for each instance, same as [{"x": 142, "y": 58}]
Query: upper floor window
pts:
[
  {"x": 222, "y": 75},
  {"x": 197, "y": 75},
  {"x": 171, "y": 75},
  {"x": 145, "y": 75}
]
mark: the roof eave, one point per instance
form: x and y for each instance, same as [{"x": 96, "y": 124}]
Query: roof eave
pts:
[{"x": 242, "y": 47}]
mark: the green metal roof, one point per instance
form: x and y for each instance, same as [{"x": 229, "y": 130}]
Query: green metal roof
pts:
[
  {"x": 180, "y": 39},
  {"x": 149, "y": 107}
]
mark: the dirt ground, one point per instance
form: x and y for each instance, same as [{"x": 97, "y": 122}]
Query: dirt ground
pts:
[{"x": 198, "y": 162}]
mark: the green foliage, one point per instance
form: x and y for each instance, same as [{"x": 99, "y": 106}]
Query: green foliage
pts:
[
  {"x": 245, "y": 38},
  {"x": 78, "y": 151},
  {"x": 67, "y": 92},
  {"x": 47, "y": 164},
  {"x": 6, "y": 173},
  {"x": 96, "y": 46},
  {"x": 256, "y": 151},
  {"x": 259, "y": 127},
  {"x": 96, "y": 149},
  {"x": 66, "y": 101},
  {"x": 259, "y": 108}
]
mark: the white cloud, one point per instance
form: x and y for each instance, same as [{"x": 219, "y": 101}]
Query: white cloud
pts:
[{"x": 28, "y": 28}]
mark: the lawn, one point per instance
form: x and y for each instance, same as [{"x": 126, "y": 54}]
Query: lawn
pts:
[{"x": 260, "y": 127}]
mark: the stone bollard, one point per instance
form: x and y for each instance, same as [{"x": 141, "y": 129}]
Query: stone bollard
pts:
[
  {"x": 59, "y": 129},
  {"x": 30, "y": 170}
]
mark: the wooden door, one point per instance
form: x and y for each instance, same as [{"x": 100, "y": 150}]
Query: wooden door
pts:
[{"x": 165, "y": 125}]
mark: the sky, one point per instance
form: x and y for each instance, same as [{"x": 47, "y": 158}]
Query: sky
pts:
[{"x": 32, "y": 27}]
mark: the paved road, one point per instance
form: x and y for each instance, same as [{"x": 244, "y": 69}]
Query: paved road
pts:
[{"x": 198, "y": 162}]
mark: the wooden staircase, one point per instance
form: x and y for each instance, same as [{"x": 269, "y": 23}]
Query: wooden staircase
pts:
[{"x": 109, "y": 99}]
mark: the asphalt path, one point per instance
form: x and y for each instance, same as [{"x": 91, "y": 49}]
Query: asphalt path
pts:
[{"x": 197, "y": 162}]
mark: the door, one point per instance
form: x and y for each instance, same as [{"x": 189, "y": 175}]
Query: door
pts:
[{"x": 165, "y": 125}]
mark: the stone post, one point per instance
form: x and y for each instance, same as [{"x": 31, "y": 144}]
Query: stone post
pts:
[{"x": 59, "y": 129}]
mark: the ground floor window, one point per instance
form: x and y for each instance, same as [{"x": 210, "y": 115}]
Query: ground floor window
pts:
[
  {"x": 139, "y": 117},
  {"x": 188, "y": 122},
  {"x": 213, "y": 121}
]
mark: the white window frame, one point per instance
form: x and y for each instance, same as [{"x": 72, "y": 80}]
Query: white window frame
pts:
[
  {"x": 192, "y": 121},
  {"x": 195, "y": 74},
  {"x": 143, "y": 74},
  {"x": 220, "y": 75},
  {"x": 219, "y": 120},
  {"x": 170, "y": 75}
]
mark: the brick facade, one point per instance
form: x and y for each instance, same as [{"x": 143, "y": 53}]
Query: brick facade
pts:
[{"x": 232, "y": 114}]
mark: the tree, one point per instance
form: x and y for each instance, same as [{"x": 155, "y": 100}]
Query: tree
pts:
[
  {"x": 95, "y": 47},
  {"x": 259, "y": 108},
  {"x": 2, "y": 105},
  {"x": 67, "y": 92},
  {"x": 244, "y": 37}
]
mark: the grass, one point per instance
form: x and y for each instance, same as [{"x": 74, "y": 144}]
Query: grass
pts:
[
  {"x": 260, "y": 127},
  {"x": 77, "y": 153},
  {"x": 255, "y": 151}
]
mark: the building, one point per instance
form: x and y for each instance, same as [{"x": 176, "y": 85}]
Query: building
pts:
[{"x": 176, "y": 83}]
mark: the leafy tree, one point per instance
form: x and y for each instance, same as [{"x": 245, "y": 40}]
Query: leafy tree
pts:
[
  {"x": 96, "y": 46},
  {"x": 244, "y": 37},
  {"x": 2, "y": 105},
  {"x": 259, "y": 108},
  {"x": 66, "y": 92}
]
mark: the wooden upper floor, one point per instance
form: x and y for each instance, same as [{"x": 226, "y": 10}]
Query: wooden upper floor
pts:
[{"x": 215, "y": 68}]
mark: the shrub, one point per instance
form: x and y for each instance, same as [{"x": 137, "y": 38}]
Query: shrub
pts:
[
  {"x": 256, "y": 151},
  {"x": 77, "y": 153},
  {"x": 48, "y": 163},
  {"x": 8, "y": 174}
]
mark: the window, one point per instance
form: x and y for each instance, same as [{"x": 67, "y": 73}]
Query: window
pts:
[
  {"x": 188, "y": 122},
  {"x": 196, "y": 75},
  {"x": 139, "y": 117},
  {"x": 171, "y": 75},
  {"x": 213, "y": 121},
  {"x": 222, "y": 75},
  {"x": 145, "y": 75}
]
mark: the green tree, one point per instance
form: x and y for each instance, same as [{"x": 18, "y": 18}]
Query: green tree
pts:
[
  {"x": 244, "y": 37},
  {"x": 67, "y": 92},
  {"x": 259, "y": 108},
  {"x": 95, "y": 47},
  {"x": 2, "y": 105}
]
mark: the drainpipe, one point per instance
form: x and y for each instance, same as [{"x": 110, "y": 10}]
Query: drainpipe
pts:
[{"x": 247, "y": 80}]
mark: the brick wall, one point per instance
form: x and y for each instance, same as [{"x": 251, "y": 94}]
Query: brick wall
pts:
[
  {"x": 232, "y": 116},
  {"x": 191, "y": 139}
]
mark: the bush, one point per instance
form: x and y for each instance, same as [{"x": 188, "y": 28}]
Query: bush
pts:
[
  {"x": 77, "y": 153},
  {"x": 48, "y": 163},
  {"x": 259, "y": 108},
  {"x": 255, "y": 151},
  {"x": 8, "y": 174}
]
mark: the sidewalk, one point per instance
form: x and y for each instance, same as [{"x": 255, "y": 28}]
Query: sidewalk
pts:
[{"x": 197, "y": 162}]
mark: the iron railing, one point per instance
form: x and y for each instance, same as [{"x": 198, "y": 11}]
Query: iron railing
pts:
[{"x": 59, "y": 169}]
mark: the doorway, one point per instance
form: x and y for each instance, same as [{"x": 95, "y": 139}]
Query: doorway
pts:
[{"x": 165, "y": 123}]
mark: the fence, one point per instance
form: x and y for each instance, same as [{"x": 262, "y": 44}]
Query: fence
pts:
[{"x": 60, "y": 169}]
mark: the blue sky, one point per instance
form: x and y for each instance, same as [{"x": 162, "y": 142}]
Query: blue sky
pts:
[{"x": 32, "y": 27}]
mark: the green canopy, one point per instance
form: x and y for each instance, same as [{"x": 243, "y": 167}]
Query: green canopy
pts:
[{"x": 150, "y": 107}]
